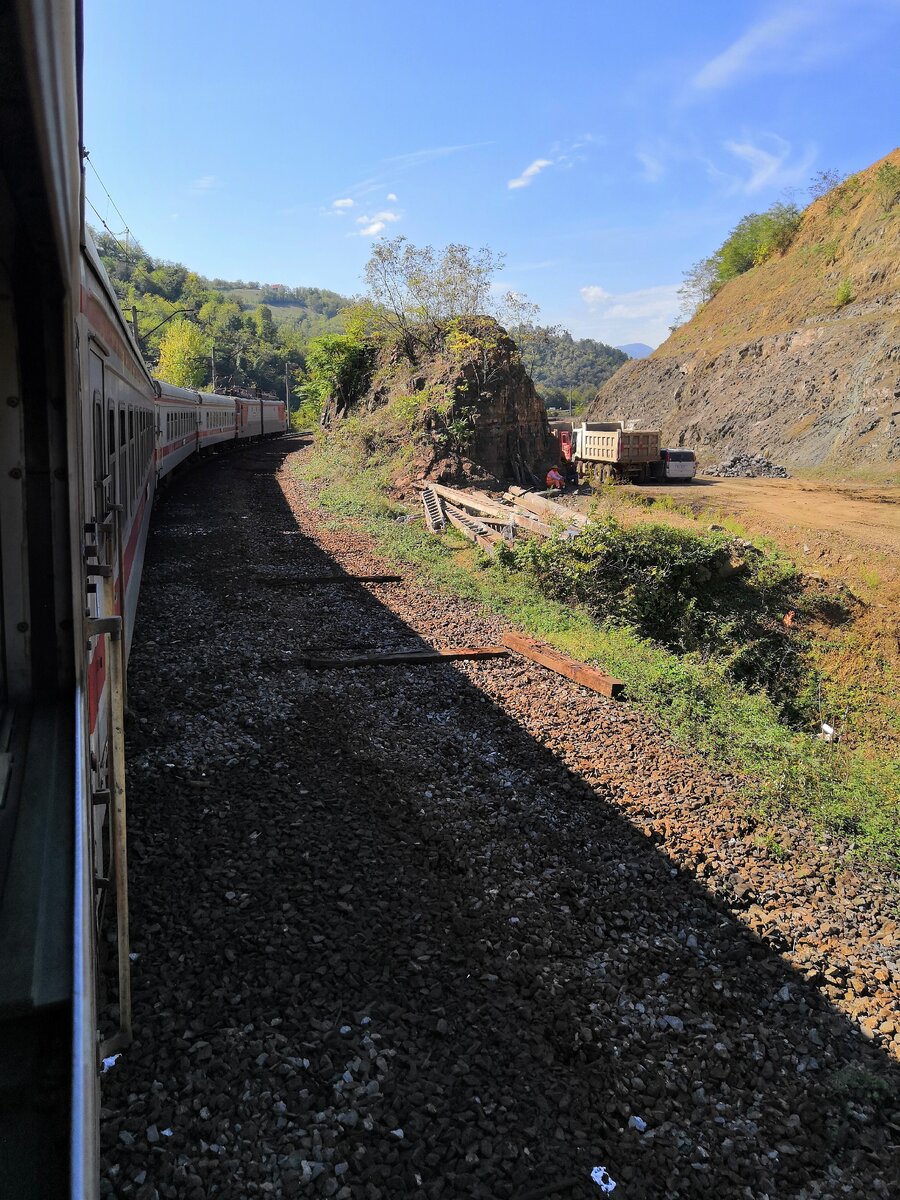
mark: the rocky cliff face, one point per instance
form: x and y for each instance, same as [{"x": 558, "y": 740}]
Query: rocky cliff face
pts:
[
  {"x": 464, "y": 411},
  {"x": 776, "y": 363}
]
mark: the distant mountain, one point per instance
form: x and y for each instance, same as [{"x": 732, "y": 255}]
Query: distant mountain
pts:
[{"x": 636, "y": 349}]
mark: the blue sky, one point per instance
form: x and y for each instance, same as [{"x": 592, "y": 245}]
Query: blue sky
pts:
[{"x": 603, "y": 147}]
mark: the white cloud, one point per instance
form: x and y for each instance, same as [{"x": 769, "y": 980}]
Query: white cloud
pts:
[
  {"x": 753, "y": 49},
  {"x": 773, "y": 167},
  {"x": 403, "y": 162},
  {"x": 531, "y": 171},
  {"x": 594, "y": 295},
  {"x": 797, "y": 35},
  {"x": 653, "y": 166},
  {"x": 205, "y": 183},
  {"x": 391, "y": 198},
  {"x": 346, "y": 202},
  {"x": 377, "y": 223},
  {"x": 621, "y": 317}
]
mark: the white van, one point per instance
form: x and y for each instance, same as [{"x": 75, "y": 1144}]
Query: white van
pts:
[{"x": 678, "y": 464}]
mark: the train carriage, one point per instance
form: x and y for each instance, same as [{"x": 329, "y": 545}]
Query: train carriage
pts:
[
  {"x": 85, "y": 436},
  {"x": 177, "y": 426},
  {"x": 274, "y": 418},
  {"x": 218, "y": 420}
]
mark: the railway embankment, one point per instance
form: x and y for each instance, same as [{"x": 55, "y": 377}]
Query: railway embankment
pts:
[{"x": 458, "y": 929}]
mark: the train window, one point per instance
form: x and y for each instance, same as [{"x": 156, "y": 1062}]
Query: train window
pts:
[
  {"x": 132, "y": 471},
  {"x": 98, "y": 437}
]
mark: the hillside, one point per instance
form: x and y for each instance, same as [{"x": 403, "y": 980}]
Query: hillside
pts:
[
  {"x": 797, "y": 358},
  {"x": 567, "y": 369}
]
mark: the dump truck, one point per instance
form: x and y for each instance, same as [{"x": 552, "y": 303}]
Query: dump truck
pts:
[{"x": 610, "y": 450}]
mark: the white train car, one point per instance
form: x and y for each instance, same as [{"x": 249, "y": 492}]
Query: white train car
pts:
[
  {"x": 218, "y": 420},
  {"x": 48, "y": 1020},
  {"x": 177, "y": 426},
  {"x": 85, "y": 436}
]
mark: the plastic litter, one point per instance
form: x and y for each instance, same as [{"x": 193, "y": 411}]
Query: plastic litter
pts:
[
  {"x": 397, "y": 1133},
  {"x": 110, "y": 1062},
  {"x": 603, "y": 1180},
  {"x": 637, "y": 1123}
]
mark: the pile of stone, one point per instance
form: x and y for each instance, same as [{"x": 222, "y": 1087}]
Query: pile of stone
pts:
[{"x": 748, "y": 466}]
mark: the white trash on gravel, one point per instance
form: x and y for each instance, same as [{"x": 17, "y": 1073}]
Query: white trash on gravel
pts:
[{"x": 603, "y": 1179}]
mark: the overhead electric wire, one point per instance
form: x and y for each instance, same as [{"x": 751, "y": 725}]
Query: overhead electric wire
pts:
[
  {"x": 114, "y": 236},
  {"x": 87, "y": 159}
]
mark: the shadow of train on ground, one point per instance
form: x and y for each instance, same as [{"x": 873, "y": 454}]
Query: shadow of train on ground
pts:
[{"x": 389, "y": 945}]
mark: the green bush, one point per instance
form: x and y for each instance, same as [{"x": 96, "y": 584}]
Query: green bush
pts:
[
  {"x": 756, "y": 238},
  {"x": 887, "y": 185},
  {"x": 844, "y": 293},
  {"x": 698, "y": 594}
]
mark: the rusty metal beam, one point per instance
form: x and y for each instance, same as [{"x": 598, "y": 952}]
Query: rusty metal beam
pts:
[{"x": 562, "y": 664}]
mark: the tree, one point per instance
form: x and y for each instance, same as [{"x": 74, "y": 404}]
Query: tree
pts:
[
  {"x": 337, "y": 369},
  {"x": 416, "y": 292},
  {"x": 887, "y": 185},
  {"x": 184, "y": 355},
  {"x": 824, "y": 182},
  {"x": 754, "y": 240},
  {"x": 265, "y": 323}
]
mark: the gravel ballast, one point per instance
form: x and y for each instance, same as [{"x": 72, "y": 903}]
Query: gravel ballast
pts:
[{"x": 457, "y": 930}]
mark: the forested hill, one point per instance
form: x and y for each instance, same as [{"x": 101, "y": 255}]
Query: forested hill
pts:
[
  {"x": 251, "y": 330},
  {"x": 565, "y": 370},
  {"x": 184, "y": 319}
]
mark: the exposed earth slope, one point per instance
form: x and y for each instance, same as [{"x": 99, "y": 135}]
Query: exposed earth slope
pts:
[{"x": 798, "y": 358}]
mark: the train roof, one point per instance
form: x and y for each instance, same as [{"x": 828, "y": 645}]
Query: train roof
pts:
[
  {"x": 168, "y": 391},
  {"x": 213, "y": 398}
]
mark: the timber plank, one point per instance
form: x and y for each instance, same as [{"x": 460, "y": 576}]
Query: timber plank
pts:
[
  {"x": 483, "y": 505},
  {"x": 399, "y": 657},
  {"x": 545, "y": 508},
  {"x": 548, "y": 656}
]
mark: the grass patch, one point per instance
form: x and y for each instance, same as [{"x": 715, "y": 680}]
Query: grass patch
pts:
[{"x": 843, "y": 788}]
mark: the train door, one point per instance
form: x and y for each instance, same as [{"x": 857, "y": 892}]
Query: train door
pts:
[{"x": 101, "y": 479}]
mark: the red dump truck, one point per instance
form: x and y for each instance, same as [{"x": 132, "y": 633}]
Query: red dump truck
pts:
[{"x": 611, "y": 450}]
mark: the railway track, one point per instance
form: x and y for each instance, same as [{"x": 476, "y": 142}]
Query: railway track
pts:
[{"x": 454, "y": 929}]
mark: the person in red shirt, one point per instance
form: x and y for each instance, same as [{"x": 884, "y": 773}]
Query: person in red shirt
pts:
[{"x": 555, "y": 480}]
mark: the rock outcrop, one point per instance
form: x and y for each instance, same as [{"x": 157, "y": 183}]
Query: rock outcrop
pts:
[
  {"x": 798, "y": 359},
  {"x": 465, "y": 411}
]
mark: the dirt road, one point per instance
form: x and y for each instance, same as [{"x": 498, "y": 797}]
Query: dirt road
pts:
[{"x": 838, "y": 523}]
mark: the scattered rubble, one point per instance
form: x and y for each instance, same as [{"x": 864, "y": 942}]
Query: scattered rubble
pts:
[{"x": 748, "y": 466}]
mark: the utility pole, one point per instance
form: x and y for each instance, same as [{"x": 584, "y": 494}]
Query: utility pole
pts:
[
  {"x": 134, "y": 324},
  {"x": 287, "y": 393},
  {"x": 212, "y": 352}
]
